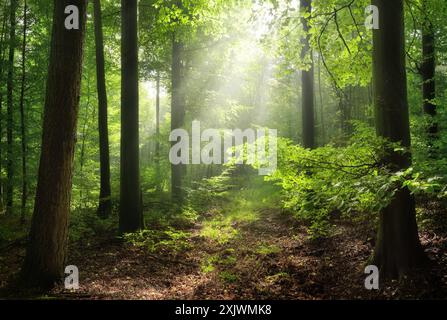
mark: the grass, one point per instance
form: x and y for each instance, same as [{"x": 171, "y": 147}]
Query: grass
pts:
[
  {"x": 266, "y": 250},
  {"x": 228, "y": 277},
  {"x": 242, "y": 206}
]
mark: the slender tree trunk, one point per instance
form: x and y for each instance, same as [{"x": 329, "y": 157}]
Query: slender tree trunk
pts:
[
  {"x": 105, "y": 201},
  {"x": 320, "y": 91},
  {"x": 157, "y": 121},
  {"x": 398, "y": 248},
  {"x": 84, "y": 134},
  {"x": 177, "y": 116},
  {"x": 157, "y": 131},
  {"x": 22, "y": 116},
  {"x": 130, "y": 206},
  {"x": 10, "y": 102},
  {"x": 46, "y": 253},
  {"x": 2, "y": 59},
  {"x": 307, "y": 80},
  {"x": 427, "y": 71}
]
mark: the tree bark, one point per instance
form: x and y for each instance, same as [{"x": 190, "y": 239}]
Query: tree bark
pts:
[
  {"x": 105, "y": 201},
  {"x": 157, "y": 121},
  {"x": 320, "y": 91},
  {"x": 177, "y": 115},
  {"x": 22, "y": 116},
  {"x": 398, "y": 249},
  {"x": 10, "y": 106},
  {"x": 307, "y": 80},
  {"x": 2, "y": 58},
  {"x": 157, "y": 132},
  {"x": 427, "y": 71},
  {"x": 130, "y": 206},
  {"x": 46, "y": 253}
]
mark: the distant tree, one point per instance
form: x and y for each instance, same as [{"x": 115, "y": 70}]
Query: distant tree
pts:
[
  {"x": 10, "y": 106},
  {"x": 177, "y": 113},
  {"x": 427, "y": 69},
  {"x": 307, "y": 81},
  {"x": 157, "y": 123},
  {"x": 2, "y": 58},
  {"x": 22, "y": 115},
  {"x": 105, "y": 201}
]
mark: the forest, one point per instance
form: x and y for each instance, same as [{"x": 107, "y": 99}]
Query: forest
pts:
[{"x": 223, "y": 149}]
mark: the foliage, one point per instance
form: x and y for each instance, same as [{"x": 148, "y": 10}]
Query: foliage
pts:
[
  {"x": 318, "y": 184},
  {"x": 168, "y": 241}
]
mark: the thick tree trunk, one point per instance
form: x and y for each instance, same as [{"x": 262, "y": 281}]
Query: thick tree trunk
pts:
[
  {"x": 177, "y": 116},
  {"x": 105, "y": 201},
  {"x": 46, "y": 253},
  {"x": 10, "y": 103},
  {"x": 130, "y": 206},
  {"x": 22, "y": 116},
  {"x": 398, "y": 248},
  {"x": 307, "y": 83}
]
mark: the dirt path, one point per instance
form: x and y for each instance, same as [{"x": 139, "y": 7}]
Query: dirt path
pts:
[
  {"x": 240, "y": 252},
  {"x": 266, "y": 258}
]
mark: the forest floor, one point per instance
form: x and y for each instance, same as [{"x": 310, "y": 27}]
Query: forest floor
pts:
[{"x": 246, "y": 250}]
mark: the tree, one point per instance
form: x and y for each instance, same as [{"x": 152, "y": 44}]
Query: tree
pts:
[
  {"x": 398, "y": 248},
  {"x": 157, "y": 126},
  {"x": 177, "y": 114},
  {"x": 105, "y": 202},
  {"x": 2, "y": 58},
  {"x": 22, "y": 115},
  {"x": 307, "y": 81},
  {"x": 10, "y": 105},
  {"x": 427, "y": 70},
  {"x": 46, "y": 252},
  {"x": 130, "y": 204}
]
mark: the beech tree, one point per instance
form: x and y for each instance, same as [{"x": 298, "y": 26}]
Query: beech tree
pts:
[
  {"x": 427, "y": 70},
  {"x": 10, "y": 106},
  {"x": 2, "y": 58},
  {"x": 130, "y": 202},
  {"x": 398, "y": 248},
  {"x": 105, "y": 201},
  {"x": 46, "y": 252},
  {"x": 177, "y": 114},
  {"x": 307, "y": 81},
  {"x": 22, "y": 115}
]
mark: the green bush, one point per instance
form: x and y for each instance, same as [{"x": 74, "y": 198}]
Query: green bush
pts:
[{"x": 332, "y": 180}]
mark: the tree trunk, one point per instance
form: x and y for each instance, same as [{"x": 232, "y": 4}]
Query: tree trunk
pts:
[
  {"x": 398, "y": 248},
  {"x": 105, "y": 201},
  {"x": 84, "y": 133},
  {"x": 177, "y": 116},
  {"x": 2, "y": 58},
  {"x": 427, "y": 71},
  {"x": 320, "y": 91},
  {"x": 157, "y": 132},
  {"x": 22, "y": 116},
  {"x": 10, "y": 102},
  {"x": 157, "y": 121},
  {"x": 307, "y": 80},
  {"x": 46, "y": 253},
  {"x": 130, "y": 206}
]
